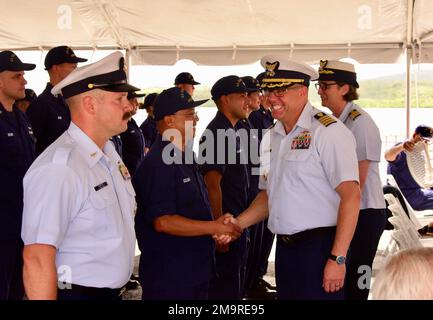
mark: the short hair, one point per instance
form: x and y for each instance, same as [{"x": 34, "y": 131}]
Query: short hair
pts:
[
  {"x": 406, "y": 276},
  {"x": 352, "y": 94}
]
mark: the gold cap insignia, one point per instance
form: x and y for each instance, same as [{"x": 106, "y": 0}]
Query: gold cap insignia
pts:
[{"x": 271, "y": 67}]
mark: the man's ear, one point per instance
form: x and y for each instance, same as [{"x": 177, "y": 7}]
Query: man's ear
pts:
[
  {"x": 169, "y": 121},
  {"x": 89, "y": 104}
]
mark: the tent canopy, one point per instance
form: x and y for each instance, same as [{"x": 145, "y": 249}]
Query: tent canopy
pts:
[{"x": 225, "y": 32}]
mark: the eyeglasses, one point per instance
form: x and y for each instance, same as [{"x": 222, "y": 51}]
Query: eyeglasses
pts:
[
  {"x": 324, "y": 86},
  {"x": 279, "y": 92}
]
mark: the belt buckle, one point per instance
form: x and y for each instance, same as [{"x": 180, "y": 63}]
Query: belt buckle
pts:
[{"x": 287, "y": 240}]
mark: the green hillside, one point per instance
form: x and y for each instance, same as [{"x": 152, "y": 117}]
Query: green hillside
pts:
[{"x": 384, "y": 92}]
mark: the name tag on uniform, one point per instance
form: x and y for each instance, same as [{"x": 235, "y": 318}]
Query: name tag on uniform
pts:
[
  {"x": 132, "y": 131},
  {"x": 59, "y": 118},
  {"x": 10, "y": 134},
  {"x": 186, "y": 180},
  {"x": 302, "y": 141},
  {"x": 101, "y": 186}
]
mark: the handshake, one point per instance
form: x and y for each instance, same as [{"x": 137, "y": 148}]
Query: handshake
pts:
[{"x": 227, "y": 229}]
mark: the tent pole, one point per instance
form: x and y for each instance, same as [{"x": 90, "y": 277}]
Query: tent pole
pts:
[
  {"x": 407, "y": 95},
  {"x": 128, "y": 62}
]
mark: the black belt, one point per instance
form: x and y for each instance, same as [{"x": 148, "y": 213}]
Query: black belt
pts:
[
  {"x": 99, "y": 293},
  {"x": 292, "y": 239}
]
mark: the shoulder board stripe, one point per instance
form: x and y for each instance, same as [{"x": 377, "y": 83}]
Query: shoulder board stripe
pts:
[
  {"x": 354, "y": 114},
  {"x": 324, "y": 119}
]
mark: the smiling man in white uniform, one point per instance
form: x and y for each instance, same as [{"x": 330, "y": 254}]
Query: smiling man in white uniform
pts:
[
  {"x": 309, "y": 186},
  {"x": 78, "y": 199}
]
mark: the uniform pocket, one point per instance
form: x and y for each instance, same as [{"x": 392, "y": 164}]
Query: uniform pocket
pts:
[{"x": 103, "y": 198}]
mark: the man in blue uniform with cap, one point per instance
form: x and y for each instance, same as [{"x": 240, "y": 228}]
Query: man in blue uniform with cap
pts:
[
  {"x": 186, "y": 82},
  {"x": 310, "y": 187},
  {"x": 79, "y": 203},
  {"x": 48, "y": 114},
  {"x": 174, "y": 224},
  {"x": 132, "y": 138},
  {"x": 16, "y": 155},
  {"x": 409, "y": 163},
  {"x": 224, "y": 167},
  {"x": 261, "y": 120},
  {"x": 148, "y": 127}
]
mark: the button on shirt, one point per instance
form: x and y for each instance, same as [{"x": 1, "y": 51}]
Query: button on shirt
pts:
[
  {"x": 77, "y": 200},
  {"x": 49, "y": 116},
  {"x": 230, "y": 162},
  {"x": 368, "y": 147},
  {"x": 16, "y": 155},
  {"x": 164, "y": 189},
  {"x": 132, "y": 146},
  {"x": 301, "y": 170}
]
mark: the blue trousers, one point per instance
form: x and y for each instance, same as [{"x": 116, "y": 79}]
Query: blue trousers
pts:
[
  {"x": 11, "y": 269},
  {"x": 371, "y": 223},
  {"x": 299, "y": 269}
]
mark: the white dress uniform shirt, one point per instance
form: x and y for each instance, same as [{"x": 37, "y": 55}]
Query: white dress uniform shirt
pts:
[
  {"x": 77, "y": 199},
  {"x": 368, "y": 147},
  {"x": 301, "y": 170}
]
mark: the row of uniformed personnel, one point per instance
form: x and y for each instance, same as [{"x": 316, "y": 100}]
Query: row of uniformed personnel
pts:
[{"x": 78, "y": 199}]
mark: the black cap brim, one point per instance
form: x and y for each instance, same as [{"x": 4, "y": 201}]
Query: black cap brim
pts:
[
  {"x": 198, "y": 103},
  {"x": 119, "y": 88},
  {"x": 21, "y": 67}
]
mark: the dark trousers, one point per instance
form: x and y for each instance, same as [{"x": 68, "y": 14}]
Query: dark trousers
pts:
[
  {"x": 299, "y": 269},
  {"x": 371, "y": 223},
  {"x": 11, "y": 270},
  {"x": 229, "y": 281},
  {"x": 267, "y": 243},
  {"x": 175, "y": 291},
  {"x": 254, "y": 254}
]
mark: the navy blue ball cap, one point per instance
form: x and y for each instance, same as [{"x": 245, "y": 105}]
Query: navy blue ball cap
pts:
[
  {"x": 424, "y": 131},
  {"x": 150, "y": 100},
  {"x": 171, "y": 101},
  {"x": 185, "y": 77},
  {"x": 30, "y": 96},
  {"x": 10, "y": 62},
  {"x": 59, "y": 55},
  {"x": 251, "y": 83},
  {"x": 228, "y": 85},
  {"x": 260, "y": 78}
]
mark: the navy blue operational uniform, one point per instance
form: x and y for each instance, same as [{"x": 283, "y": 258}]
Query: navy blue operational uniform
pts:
[
  {"x": 49, "y": 116},
  {"x": 148, "y": 127},
  {"x": 16, "y": 156},
  {"x": 132, "y": 146},
  {"x": 118, "y": 144},
  {"x": 261, "y": 238},
  {"x": 250, "y": 143},
  {"x": 171, "y": 267},
  {"x": 230, "y": 266}
]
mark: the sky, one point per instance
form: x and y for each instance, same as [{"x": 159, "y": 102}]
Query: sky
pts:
[{"x": 163, "y": 76}]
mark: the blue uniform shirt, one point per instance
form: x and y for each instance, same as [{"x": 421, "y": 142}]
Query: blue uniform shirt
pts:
[
  {"x": 171, "y": 189},
  {"x": 132, "y": 146},
  {"x": 148, "y": 127},
  {"x": 117, "y": 142},
  {"x": 261, "y": 119},
  {"x": 234, "y": 182},
  {"x": 419, "y": 199},
  {"x": 49, "y": 116},
  {"x": 250, "y": 143},
  {"x": 16, "y": 155}
]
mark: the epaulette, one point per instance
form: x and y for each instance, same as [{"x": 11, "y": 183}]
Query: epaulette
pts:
[
  {"x": 61, "y": 155},
  {"x": 354, "y": 114},
  {"x": 324, "y": 119}
]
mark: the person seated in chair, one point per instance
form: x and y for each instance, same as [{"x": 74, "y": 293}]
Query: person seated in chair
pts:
[{"x": 409, "y": 163}]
